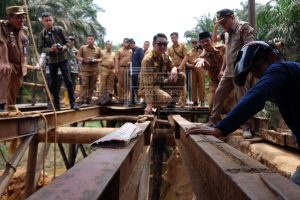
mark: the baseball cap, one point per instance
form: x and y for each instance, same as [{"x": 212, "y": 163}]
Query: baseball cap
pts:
[{"x": 221, "y": 14}]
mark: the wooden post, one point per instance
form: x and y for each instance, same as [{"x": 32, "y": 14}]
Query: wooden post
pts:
[
  {"x": 251, "y": 13},
  {"x": 31, "y": 168}
]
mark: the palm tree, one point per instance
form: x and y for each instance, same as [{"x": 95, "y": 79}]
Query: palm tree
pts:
[{"x": 280, "y": 20}]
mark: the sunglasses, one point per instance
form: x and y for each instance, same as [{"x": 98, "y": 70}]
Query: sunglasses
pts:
[{"x": 162, "y": 44}]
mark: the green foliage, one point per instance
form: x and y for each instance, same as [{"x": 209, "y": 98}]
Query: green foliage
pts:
[
  {"x": 204, "y": 23},
  {"x": 79, "y": 20},
  {"x": 6, "y": 3},
  {"x": 280, "y": 20}
]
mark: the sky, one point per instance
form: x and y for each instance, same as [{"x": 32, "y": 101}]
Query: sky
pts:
[{"x": 142, "y": 19}]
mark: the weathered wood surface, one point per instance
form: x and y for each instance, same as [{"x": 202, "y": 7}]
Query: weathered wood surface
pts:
[
  {"x": 102, "y": 175},
  {"x": 218, "y": 171}
]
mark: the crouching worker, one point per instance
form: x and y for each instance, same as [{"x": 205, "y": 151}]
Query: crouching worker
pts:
[
  {"x": 278, "y": 80},
  {"x": 162, "y": 83}
]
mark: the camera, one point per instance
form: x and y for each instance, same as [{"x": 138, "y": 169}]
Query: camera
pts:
[
  {"x": 92, "y": 60},
  {"x": 59, "y": 46}
]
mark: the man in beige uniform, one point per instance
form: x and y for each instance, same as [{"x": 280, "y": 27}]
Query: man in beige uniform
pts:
[
  {"x": 107, "y": 74},
  {"x": 239, "y": 34},
  {"x": 162, "y": 82},
  {"x": 90, "y": 56},
  {"x": 211, "y": 60},
  {"x": 13, "y": 38},
  {"x": 197, "y": 75},
  {"x": 123, "y": 59},
  {"x": 178, "y": 53}
]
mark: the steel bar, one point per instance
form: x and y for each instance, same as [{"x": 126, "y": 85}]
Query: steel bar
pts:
[
  {"x": 215, "y": 166},
  {"x": 32, "y": 122},
  {"x": 64, "y": 155},
  {"x": 15, "y": 160}
]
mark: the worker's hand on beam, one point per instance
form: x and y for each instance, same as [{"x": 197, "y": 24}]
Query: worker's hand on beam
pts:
[{"x": 204, "y": 130}]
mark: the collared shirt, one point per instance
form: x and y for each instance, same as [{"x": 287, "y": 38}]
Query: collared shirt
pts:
[
  {"x": 123, "y": 57},
  {"x": 154, "y": 70},
  {"x": 193, "y": 54},
  {"x": 14, "y": 40},
  {"x": 241, "y": 33},
  {"x": 108, "y": 59},
  {"x": 213, "y": 61},
  {"x": 181, "y": 52},
  {"x": 88, "y": 53},
  {"x": 47, "y": 38}
]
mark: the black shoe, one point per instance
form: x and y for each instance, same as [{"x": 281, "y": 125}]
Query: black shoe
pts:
[
  {"x": 171, "y": 105},
  {"x": 2, "y": 107},
  {"x": 57, "y": 108},
  {"x": 143, "y": 104},
  {"x": 88, "y": 101},
  {"x": 131, "y": 104},
  {"x": 195, "y": 104},
  {"x": 74, "y": 106}
]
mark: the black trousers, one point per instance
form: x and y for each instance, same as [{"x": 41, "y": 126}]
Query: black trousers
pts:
[
  {"x": 65, "y": 72},
  {"x": 134, "y": 87}
]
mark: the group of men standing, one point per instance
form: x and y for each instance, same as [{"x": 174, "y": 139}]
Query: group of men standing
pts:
[{"x": 131, "y": 65}]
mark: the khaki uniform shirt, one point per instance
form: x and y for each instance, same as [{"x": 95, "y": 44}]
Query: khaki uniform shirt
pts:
[
  {"x": 108, "y": 59},
  {"x": 12, "y": 45},
  {"x": 181, "y": 52},
  {"x": 155, "y": 69},
  {"x": 123, "y": 57},
  {"x": 213, "y": 61},
  {"x": 193, "y": 55},
  {"x": 241, "y": 33},
  {"x": 87, "y": 53}
]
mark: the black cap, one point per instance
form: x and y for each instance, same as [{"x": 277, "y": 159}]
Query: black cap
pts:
[
  {"x": 221, "y": 14},
  {"x": 130, "y": 40},
  {"x": 204, "y": 35}
]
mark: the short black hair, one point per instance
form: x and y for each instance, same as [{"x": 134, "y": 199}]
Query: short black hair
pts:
[
  {"x": 90, "y": 35},
  {"x": 174, "y": 33},
  {"x": 159, "y": 35},
  {"x": 46, "y": 14}
]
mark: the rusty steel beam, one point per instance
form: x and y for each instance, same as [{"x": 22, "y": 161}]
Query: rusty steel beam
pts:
[
  {"x": 74, "y": 135},
  {"x": 32, "y": 122},
  {"x": 218, "y": 171},
  {"x": 104, "y": 174}
]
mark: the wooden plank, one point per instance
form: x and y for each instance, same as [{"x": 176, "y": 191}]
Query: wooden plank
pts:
[
  {"x": 218, "y": 171},
  {"x": 132, "y": 185},
  {"x": 101, "y": 175},
  {"x": 273, "y": 136}
]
